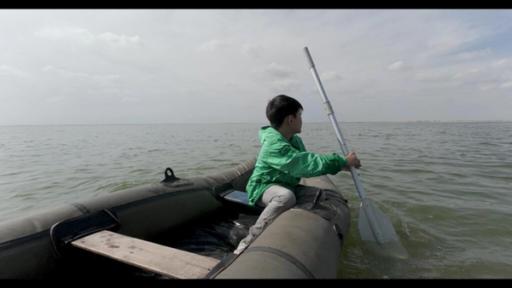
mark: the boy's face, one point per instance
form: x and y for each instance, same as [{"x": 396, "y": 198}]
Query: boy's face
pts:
[{"x": 296, "y": 122}]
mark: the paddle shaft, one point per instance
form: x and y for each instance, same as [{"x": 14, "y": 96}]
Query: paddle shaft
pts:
[
  {"x": 334, "y": 122},
  {"x": 374, "y": 226}
]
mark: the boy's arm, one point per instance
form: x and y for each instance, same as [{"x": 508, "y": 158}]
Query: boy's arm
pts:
[{"x": 297, "y": 163}]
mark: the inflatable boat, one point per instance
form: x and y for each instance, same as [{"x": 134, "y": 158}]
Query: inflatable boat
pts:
[{"x": 136, "y": 233}]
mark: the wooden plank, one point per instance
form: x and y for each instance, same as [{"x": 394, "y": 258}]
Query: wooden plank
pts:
[{"x": 153, "y": 257}]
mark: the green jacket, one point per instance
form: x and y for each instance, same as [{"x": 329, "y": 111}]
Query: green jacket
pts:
[{"x": 284, "y": 162}]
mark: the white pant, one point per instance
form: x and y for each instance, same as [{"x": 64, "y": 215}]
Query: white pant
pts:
[{"x": 276, "y": 199}]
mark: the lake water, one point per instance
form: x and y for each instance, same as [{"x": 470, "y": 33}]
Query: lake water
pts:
[{"x": 445, "y": 186}]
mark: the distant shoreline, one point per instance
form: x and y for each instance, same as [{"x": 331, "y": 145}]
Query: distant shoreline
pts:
[{"x": 256, "y": 123}]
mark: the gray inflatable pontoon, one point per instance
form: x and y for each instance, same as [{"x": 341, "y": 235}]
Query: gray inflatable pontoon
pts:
[{"x": 303, "y": 242}]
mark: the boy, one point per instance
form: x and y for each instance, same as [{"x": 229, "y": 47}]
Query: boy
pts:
[{"x": 282, "y": 162}]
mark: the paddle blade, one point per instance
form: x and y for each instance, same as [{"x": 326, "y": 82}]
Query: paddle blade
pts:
[{"x": 376, "y": 228}]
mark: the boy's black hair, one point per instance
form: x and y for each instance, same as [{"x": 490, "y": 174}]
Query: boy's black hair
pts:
[{"x": 280, "y": 107}]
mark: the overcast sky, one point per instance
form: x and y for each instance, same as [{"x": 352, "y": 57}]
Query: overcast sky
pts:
[{"x": 165, "y": 66}]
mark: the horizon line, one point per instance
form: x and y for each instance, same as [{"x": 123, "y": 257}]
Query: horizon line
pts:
[{"x": 309, "y": 122}]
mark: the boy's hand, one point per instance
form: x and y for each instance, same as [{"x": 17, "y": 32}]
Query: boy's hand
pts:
[{"x": 352, "y": 161}]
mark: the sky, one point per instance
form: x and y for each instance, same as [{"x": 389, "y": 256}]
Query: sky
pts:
[{"x": 216, "y": 66}]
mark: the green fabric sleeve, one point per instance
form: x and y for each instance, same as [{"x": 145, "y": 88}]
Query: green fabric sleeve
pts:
[{"x": 299, "y": 164}]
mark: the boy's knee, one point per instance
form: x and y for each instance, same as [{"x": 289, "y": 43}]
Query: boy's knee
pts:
[
  {"x": 279, "y": 196},
  {"x": 288, "y": 199}
]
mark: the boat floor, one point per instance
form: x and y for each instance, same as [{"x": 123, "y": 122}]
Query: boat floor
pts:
[{"x": 215, "y": 235}]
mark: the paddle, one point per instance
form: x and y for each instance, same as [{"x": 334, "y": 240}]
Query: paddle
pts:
[{"x": 374, "y": 226}]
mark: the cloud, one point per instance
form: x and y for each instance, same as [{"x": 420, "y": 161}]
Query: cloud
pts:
[
  {"x": 63, "y": 72},
  {"x": 100, "y": 84},
  {"x": 470, "y": 55},
  {"x": 73, "y": 33},
  {"x": 213, "y": 45},
  {"x": 502, "y": 62},
  {"x": 119, "y": 40},
  {"x": 105, "y": 79},
  {"x": 486, "y": 87},
  {"x": 83, "y": 35},
  {"x": 284, "y": 84},
  {"x": 6, "y": 70},
  {"x": 130, "y": 100},
  {"x": 55, "y": 99},
  {"x": 451, "y": 35},
  {"x": 280, "y": 78},
  {"x": 471, "y": 73},
  {"x": 398, "y": 65},
  {"x": 252, "y": 50},
  {"x": 331, "y": 75},
  {"x": 506, "y": 84},
  {"x": 429, "y": 75},
  {"x": 276, "y": 70}
]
